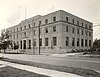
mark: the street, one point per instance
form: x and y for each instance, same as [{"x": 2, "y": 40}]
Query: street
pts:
[{"x": 73, "y": 61}]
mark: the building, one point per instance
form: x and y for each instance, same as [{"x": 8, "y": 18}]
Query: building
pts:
[{"x": 60, "y": 32}]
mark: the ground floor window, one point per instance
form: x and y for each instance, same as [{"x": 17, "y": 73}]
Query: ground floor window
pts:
[
  {"x": 46, "y": 41},
  {"x": 29, "y": 44},
  {"x": 20, "y": 44},
  {"x": 54, "y": 41},
  {"x": 90, "y": 43},
  {"x": 67, "y": 41},
  {"x": 40, "y": 42},
  {"x": 24, "y": 44}
]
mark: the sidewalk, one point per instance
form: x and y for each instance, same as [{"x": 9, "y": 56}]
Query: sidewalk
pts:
[{"x": 47, "y": 72}]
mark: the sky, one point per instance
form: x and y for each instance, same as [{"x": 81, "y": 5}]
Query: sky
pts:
[{"x": 13, "y": 11}]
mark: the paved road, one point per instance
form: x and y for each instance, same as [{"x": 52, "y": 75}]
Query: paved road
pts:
[{"x": 67, "y": 61}]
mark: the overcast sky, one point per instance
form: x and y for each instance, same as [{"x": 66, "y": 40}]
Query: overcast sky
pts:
[{"x": 13, "y": 11}]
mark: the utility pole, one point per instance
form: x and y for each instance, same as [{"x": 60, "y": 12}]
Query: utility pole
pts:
[{"x": 39, "y": 35}]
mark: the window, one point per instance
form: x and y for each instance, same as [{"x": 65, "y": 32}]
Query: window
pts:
[
  {"x": 29, "y": 25},
  {"x": 54, "y": 28},
  {"x": 17, "y": 43},
  {"x": 46, "y": 41},
  {"x": 85, "y": 42},
  {"x": 25, "y": 27},
  {"x": 73, "y": 21},
  {"x": 34, "y": 32},
  {"x": 24, "y": 34},
  {"x": 82, "y": 42},
  {"x": 67, "y": 41},
  {"x": 67, "y": 19},
  {"x": 78, "y": 31},
  {"x": 34, "y": 42},
  {"x": 90, "y": 43},
  {"x": 78, "y": 41},
  {"x": 39, "y": 22},
  {"x": 73, "y": 41},
  {"x": 82, "y": 32},
  {"x": 46, "y": 21},
  {"x": 89, "y": 33},
  {"x": 20, "y": 28},
  {"x": 54, "y": 41},
  {"x": 34, "y": 23},
  {"x": 29, "y": 44},
  {"x": 86, "y": 33},
  {"x": 66, "y": 28},
  {"x": 20, "y": 44},
  {"x": 40, "y": 42},
  {"x": 14, "y": 35},
  {"x": 17, "y": 35},
  {"x": 73, "y": 29},
  {"x": 17, "y": 29},
  {"x": 77, "y": 22},
  {"x": 82, "y": 24},
  {"x": 46, "y": 30},
  {"x": 24, "y": 44},
  {"x": 85, "y": 25},
  {"x": 90, "y": 27},
  {"x": 54, "y": 18},
  {"x": 14, "y": 30}
]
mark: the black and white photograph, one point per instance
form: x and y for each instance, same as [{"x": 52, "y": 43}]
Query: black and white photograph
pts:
[{"x": 49, "y": 38}]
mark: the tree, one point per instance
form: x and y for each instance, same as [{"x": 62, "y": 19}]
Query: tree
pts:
[
  {"x": 16, "y": 46},
  {"x": 4, "y": 40}
]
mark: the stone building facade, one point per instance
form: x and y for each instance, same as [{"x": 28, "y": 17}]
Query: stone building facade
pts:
[{"x": 60, "y": 32}]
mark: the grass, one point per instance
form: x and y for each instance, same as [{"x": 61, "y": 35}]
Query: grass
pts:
[
  {"x": 14, "y": 72},
  {"x": 78, "y": 71}
]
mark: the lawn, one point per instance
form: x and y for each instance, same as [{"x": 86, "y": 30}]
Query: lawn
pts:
[
  {"x": 78, "y": 71},
  {"x": 14, "y": 72}
]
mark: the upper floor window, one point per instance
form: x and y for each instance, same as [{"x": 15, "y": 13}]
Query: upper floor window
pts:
[
  {"x": 20, "y": 28},
  {"x": 73, "y": 21},
  {"x": 78, "y": 31},
  {"x": 17, "y": 29},
  {"x": 89, "y": 33},
  {"x": 73, "y": 30},
  {"x": 54, "y": 18},
  {"x": 24, "y": 34},
  {"x": 90, "y": 27},
  {"x": 46, "y": 30},
  {"x": 17, "y": 35},
  {"x": 86, "y": 33},
  {"x": 67, "y": 19},
  {"x": 34, "y": 32},
  {"x": 25, "y": 27},
  {"x": 82, "y": 32},
  {"x": 14, "y": 30},
  {"x": 54, "y": 28},
  {"x": 66, "y": 28},
  {"x": 77, "y": 22},
  {"x": 34, "y": 23},
  {"x": 29, "y": 25},
  {"x": 46, "y": 21},
  {"x": 39, "y": 22},
  {"x": 85, "y": 25},
  {"x": 82, "y": 24}
]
